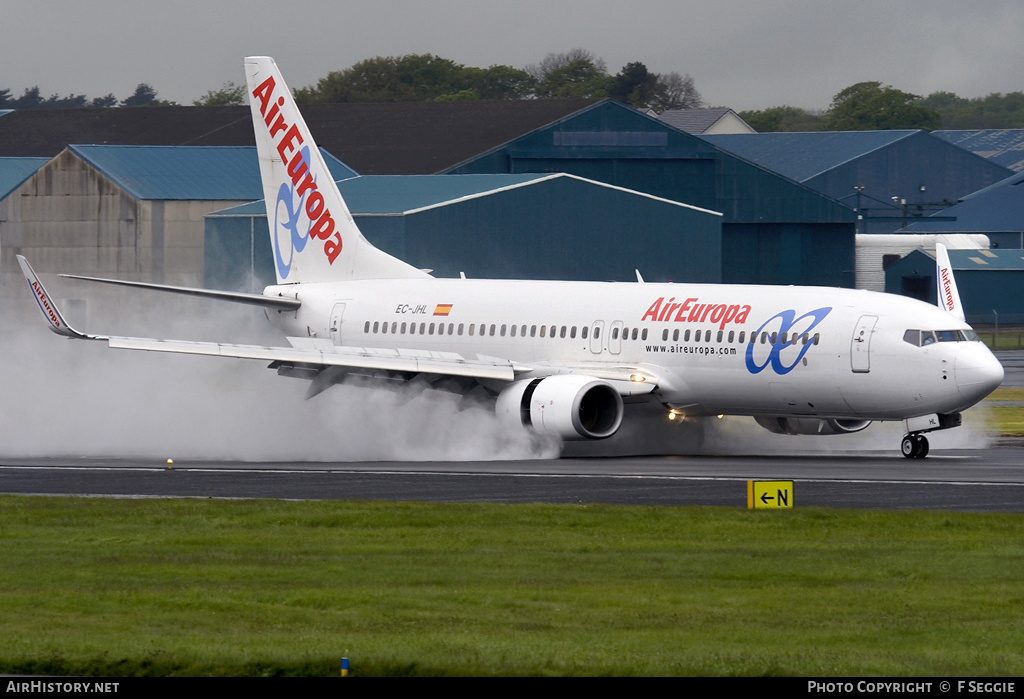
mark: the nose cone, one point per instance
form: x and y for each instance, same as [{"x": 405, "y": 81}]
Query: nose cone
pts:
[{"x": 977, "y": 371}]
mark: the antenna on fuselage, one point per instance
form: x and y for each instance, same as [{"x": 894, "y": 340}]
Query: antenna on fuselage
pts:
[{"x": 949, "y": 297}]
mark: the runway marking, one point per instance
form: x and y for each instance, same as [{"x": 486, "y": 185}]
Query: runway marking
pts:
[{"x": 203, "y": 469}]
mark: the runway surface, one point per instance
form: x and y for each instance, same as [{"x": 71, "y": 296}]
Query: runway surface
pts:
[
  {"x": 971, "y": 480},
  {"x": 976, "y": 479}
]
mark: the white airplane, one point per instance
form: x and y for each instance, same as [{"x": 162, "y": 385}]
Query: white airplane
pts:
[{"x": 569, "y": 358}]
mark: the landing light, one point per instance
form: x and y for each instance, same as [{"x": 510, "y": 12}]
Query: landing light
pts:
[
  {"x": 637, "y": 377},
  {"x": 675, "y": 415}
]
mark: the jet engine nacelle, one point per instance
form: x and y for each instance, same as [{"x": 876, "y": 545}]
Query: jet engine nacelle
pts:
[
  {"x": 810, "y": 425},
  {"x": 569, "y": 405}
]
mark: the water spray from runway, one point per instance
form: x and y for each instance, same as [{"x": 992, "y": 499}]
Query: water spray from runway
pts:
[{"x": 82, "y": 399}]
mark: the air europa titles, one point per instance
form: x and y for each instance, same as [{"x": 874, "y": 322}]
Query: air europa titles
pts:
[
  {"x": 947, "y": 289},
  {"x": 321, "y": 220},
  {"x": 44, "y": 303},
  {"x": 690, "y": 311}
]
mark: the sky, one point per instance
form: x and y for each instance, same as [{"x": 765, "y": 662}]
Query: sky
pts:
[{"x": 743, "y": 54}]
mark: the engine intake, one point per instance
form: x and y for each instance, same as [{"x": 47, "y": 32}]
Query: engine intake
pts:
[
  {"x": 810, "y": 425},
  {"x": 569, "y": 405}
]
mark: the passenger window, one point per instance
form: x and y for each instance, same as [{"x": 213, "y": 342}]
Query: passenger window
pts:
[
  {"x": 366, "y": 327},
  {"x": 553, "y": 327},
  {"x": 543, "y": 331},
  {"x": 403, "y": 328},
  {"x": 572, "y": 333},
  {"x": 664, "y": 334},
  {"x": 533, "y": 331},
  {"x": 503, "y": 330},
  {"x": 720, "y": 334},
  {"x": 471, "y": 329},
  {"x": 583, "y": 332},
  {"x": 384, "y": 328},
  {"x": 376, "y": 326},
  {"x": 562, "y": 333},
  {"x": 643, "y": 335},
  {"x": 784, "y": 339},
  {"x": 675, "y": 335},
  {"x": 686, "y": 336},
  {"x": 597, "y": 333},
  {"x": 513, "y": 331},
  {"x": 732, "y": 336},
  {"x": 816, "y": 337},
  {"x": 492, "y": 329},
  {"x": 461, "y": 326},
  {"x": 522, "y": 331},
  {"x": 615, "y": 333}
]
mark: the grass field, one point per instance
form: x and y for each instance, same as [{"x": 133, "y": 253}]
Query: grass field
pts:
[{"x": 193, "y": 587}]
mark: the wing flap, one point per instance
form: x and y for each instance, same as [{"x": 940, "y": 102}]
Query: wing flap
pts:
[{"x": 445, "y": 363}]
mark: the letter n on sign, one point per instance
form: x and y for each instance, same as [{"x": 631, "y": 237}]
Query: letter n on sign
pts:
[{"x": 769, "y": 495}]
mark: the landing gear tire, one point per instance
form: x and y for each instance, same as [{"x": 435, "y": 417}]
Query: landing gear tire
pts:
[{"x": 914, "y": 446}]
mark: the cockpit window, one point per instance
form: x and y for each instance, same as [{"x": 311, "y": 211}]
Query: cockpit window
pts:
[{"x": 923, "y": 338}]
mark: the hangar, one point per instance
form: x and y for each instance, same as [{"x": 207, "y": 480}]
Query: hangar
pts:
[
  {"x": 990, "y": 282},
  {"x": 892, "y": 177},
  {"x": 774, "y": 230},
  {"x": 532, "y": 226},
  {"x": 1002, "y": 146},
  {"x": 996, "y": 211},
  {"x": 131, "y": 212}
]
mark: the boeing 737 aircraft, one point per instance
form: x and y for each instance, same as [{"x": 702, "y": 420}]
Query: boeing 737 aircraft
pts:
[{"x": 569, "y": 358}]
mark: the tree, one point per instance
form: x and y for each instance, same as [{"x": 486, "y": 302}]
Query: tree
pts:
[
  {"x": 408, "y": 78},
  {"x": 499, "y": 82},
  {"x": 108, "y": 101},
  {"x": 869, "y": 106},
  {"x": 144, "y": 96},
  {"x": 675, "y": 91},
  {"x": 580, "y": 77},
  {"x": 229, "y": 93},
  {"x": 784, "y": 118},
  {"x": 558, "y": 61},
  {"x": 634, "y": 85}
]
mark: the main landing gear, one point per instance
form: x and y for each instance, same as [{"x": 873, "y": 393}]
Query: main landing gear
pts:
[{"x": 914, "y": 446}]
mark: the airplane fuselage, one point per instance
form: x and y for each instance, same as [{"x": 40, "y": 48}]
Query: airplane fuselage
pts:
[{"x": 711, "y": 349}]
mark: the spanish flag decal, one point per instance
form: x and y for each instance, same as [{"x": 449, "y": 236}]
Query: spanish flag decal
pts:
[{"x": 443, "y": 309}]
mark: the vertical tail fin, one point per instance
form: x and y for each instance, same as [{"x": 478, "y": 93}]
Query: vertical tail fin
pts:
[
  {"x": 949, "y": 297},
  {"x": 311, "y": 229}
]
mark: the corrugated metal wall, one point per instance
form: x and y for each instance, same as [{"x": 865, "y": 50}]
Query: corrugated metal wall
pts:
[
  {"x": 774, "y": 230},
  {"x": 562, "y": 228}
]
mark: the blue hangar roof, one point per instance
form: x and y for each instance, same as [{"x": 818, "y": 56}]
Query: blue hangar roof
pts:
[
  {"x": 14, "y": 171},
  {"x": 802, "y": 155},
  {"x": 998, "y": 207},
  {"x": 1002, "y": 146},
  {"x": 187, "y": 172}
]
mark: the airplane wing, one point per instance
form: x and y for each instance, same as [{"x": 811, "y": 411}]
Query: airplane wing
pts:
[{"x": 321, "y": 352}]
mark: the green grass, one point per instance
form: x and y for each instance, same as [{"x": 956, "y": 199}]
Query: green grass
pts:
[{"x": 191, "y": 587}]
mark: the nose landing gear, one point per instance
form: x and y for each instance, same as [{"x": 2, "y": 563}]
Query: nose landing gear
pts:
[{"x": 914, "y": 446}]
